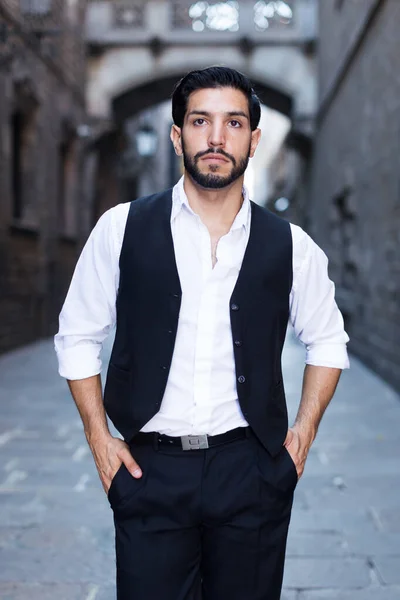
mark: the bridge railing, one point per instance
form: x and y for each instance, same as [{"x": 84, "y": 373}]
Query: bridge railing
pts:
[{"x": 191, "y": 22}]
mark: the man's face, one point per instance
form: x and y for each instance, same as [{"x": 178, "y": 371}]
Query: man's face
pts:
[{"x": 216, "y": 138}]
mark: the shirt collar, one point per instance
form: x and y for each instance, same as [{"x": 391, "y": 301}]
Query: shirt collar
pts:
[{"x": 181, "y": 202}]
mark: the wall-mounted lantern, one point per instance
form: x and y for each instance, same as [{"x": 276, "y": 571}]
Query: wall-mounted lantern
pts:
[{"x": 146, "y": 141}]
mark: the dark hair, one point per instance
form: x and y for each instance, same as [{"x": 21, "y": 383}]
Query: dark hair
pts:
[{"x": 213, "y": 77}]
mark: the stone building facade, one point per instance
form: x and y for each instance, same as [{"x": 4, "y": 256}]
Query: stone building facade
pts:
[
  {"x": 42, "y": 130},
  {"x": 353, "y": 210}
]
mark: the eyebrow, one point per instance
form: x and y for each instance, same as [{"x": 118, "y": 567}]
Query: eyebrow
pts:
[{"x": 232, "y": 113}]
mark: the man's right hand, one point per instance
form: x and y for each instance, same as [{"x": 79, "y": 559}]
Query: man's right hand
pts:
[{"x": 109, "y": 453}]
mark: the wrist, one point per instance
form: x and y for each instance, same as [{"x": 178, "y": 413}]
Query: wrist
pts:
[
  {"x": 306, "y": 432},
  {"x": 98, "y": 437}
]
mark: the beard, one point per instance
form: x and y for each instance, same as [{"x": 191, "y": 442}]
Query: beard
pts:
[{"x": 213, "y": 180}]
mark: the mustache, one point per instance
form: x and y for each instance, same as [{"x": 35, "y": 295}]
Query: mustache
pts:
[{"x": 212, "y": 152}]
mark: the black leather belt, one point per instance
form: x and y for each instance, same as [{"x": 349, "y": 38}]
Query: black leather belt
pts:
[{"x": 191, "y": 442}]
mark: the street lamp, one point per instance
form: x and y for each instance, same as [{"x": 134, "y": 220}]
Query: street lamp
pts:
[
  {"x": 146, "y": 141},
  {"x": 282, "y": 204},
  {"x": 83, "y": 131}
]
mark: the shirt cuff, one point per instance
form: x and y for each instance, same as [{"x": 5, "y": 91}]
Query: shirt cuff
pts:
[
  {"x": 328, "y": 355},
  {"x": 79, "y": 362}
]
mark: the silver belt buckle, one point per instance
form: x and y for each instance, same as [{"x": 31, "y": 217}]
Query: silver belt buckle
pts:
[{"x": 194, "y": 442}]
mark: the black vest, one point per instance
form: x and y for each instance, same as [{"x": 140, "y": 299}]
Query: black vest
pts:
[{"x": 148, "y": 304}]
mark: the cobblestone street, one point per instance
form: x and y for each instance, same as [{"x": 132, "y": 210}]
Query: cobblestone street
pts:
[{"x": 56, "y": 532}]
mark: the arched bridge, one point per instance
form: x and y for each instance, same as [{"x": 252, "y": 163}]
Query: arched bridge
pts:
[{"x": 139, "y": 48}]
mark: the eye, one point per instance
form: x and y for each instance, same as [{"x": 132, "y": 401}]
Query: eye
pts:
[
  {"x": 199, "y": 122},
  {"x": 235, "y": 124}
]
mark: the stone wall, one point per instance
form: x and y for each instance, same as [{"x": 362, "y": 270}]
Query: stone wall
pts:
[
  {"x": 42, "y": 72},
  {"x": 354, "y": 207},
  {"x": 340, "y": 22}
]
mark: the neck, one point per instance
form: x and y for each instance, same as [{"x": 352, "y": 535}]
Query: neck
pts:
[{"x": 214, "y": 206}]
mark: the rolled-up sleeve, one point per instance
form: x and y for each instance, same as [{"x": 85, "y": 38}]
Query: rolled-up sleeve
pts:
[
  {"x": 88, "y": 313},
  {"x": 314, "y": 314}
]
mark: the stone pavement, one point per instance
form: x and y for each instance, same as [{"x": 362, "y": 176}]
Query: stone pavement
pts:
[{"x": 56, "y": 533}]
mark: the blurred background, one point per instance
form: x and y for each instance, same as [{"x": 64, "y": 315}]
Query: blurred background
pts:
[{"x": 84, "y": 124}]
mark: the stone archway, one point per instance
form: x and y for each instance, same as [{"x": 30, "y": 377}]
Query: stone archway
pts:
[
  {"x": 129, "y": 103},
  {"x": 122, "y": 81}
]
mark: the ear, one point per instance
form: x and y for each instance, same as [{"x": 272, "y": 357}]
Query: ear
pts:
[
  {"x": 176, "y": 139},
  {"x": 255, "y": 138}
]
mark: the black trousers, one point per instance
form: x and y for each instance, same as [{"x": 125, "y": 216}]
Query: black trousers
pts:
[{"x": 209, "y": 524}]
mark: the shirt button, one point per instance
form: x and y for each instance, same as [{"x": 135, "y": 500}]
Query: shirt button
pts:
[
  {"x": 234, "y": 306},
  {"x": 238, "y": 343},
  {"x": 241, "y": 379}
]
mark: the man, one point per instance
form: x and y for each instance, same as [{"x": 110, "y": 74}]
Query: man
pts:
[{"x": 200, "y": 283}]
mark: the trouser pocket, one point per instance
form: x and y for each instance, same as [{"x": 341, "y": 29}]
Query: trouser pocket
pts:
[{"x": 124, "y": 487}]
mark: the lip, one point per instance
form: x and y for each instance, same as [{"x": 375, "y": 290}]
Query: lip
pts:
[{"x": 215, "y": 158}]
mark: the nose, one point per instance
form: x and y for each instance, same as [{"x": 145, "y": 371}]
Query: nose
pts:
[{"x": 217, "y": 137}]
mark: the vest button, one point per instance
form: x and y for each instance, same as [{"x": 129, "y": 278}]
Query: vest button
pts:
[
  {"x": 238, "y": 343},
  {"x": 241, "y": 379},
  {"x": 234, "y": 306},
  {"x": 164, "y": 368}
]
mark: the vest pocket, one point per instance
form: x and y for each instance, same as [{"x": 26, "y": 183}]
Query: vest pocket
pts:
[{"x": 122, "y": 375}]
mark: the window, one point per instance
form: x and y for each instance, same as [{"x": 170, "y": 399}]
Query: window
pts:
[
  {"x": 17, "y": 126},
  {"x": 67, "y": 187},
  {"x": 35, "y": 7},
  {"x": 206, "y": 16},
  {"x": 225, "y": 15},
  {"x": 23, "y": 161},
  {"x": 273, "y": 14},
  {"x": 343, "y": 235},
  {"x": 129, "y": 14},
  {"x": 62, "y": 180}
]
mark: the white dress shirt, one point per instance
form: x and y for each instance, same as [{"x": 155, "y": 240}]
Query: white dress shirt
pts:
[{"x": 200, "y": 396}]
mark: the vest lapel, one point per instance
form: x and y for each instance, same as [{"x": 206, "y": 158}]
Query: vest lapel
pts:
[
  {"x": 164, "y": 246},
  {"x": 249, "y": 273}
]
